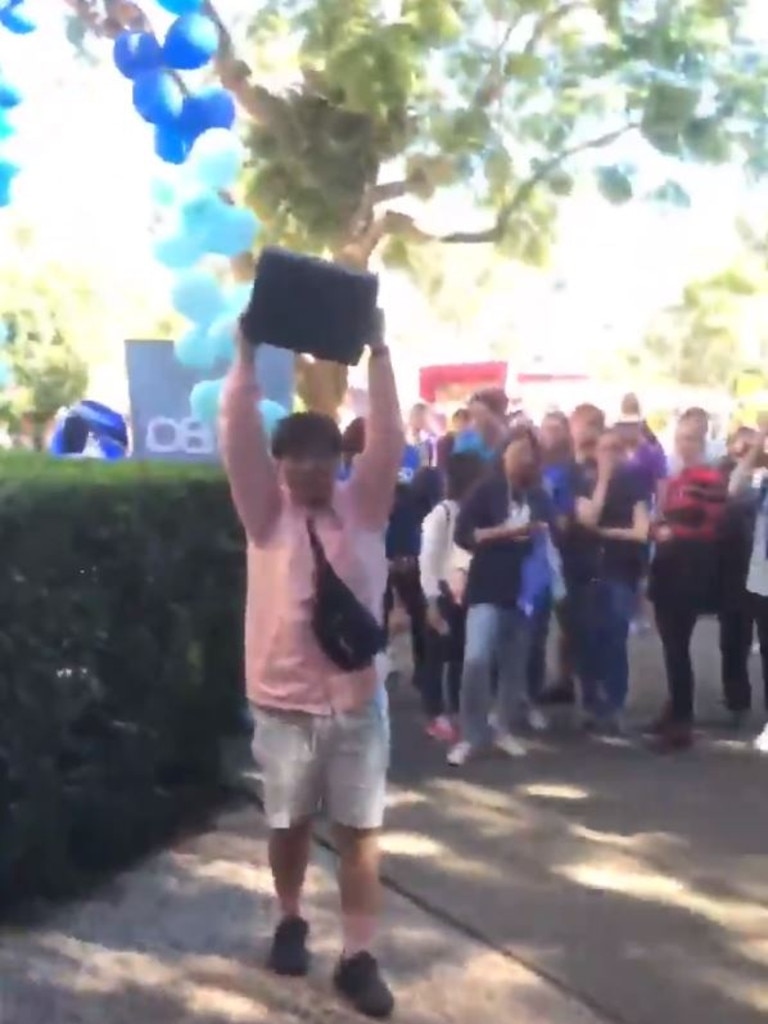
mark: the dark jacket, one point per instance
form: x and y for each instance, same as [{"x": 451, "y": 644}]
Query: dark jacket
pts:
[
  {"x": 495, "y": 572},
  {"x": 413, "y": 501}
]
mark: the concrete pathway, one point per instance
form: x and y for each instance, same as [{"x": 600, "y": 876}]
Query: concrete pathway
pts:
[{"x": 181, "y": 940}]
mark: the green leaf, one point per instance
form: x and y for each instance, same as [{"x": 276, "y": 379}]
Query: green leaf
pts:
[
  {"x": 615, "y": 184},
  {"x": 671, "y": 194}
]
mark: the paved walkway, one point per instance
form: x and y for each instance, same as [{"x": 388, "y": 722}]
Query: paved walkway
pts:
[
  {"x": 639, "y": 883},
  {"x": 181, "y": 940},
  {"x": 636, "y": 885}
]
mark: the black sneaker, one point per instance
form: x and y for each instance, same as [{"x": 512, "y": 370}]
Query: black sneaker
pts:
[
  {"x": 289, "y": 955},
  {"x": 560, "y": 694},
  {"x": 358, "y": 980}
]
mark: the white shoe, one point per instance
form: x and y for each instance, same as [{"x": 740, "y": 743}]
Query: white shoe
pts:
[
  {"x": 510, "y": 746},
  {"x": 537, "y": 720},
  {"x": 761, "y": 743},
  {"x": 459, "y": 754}
]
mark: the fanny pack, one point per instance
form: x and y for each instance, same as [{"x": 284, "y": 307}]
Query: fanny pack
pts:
[{"x": 348, "y": 633}]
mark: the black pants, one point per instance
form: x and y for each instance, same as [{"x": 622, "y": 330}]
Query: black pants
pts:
[
  {"x": 675, "y": 623},
  {"x": 737, "y": 629},
  {"x": 405, "y": 581},
  {"x": 440, "y": 677}
]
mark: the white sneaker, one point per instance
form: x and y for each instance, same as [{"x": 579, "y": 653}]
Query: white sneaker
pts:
[
  {"x": 509, "y": 745},
  {"x": 761, "y": 743},
  {"x": 537, "y": 720},
  {"x": 460, "y": 753}
]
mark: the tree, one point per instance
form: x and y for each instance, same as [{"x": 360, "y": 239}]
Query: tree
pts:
[
  {"x": 717, "y": 329},
  {"x": 504, "y": 101},
  {"x": 48, "y": 312}
]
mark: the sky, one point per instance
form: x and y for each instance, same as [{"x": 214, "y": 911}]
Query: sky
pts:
[{"x": 88, "y": 166}]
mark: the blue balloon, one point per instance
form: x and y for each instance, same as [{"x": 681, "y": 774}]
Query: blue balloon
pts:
[
  {"x": 157, "y": 97},
  {"x": 233, "y": 232},
  {"x": 221, "y": 337},
  {"x": 238, "y": 297},
  {"x": 271, "y": 414},
  {"x": 16, "y": 20},
  {"x": 170, "y": 146},
  {"x": 7, "y": 129},
  {"x": 192, "y": 41},
  {"x": 8, "y": 171},
  {"x": 198, "y": 296},
  {"x": 177, "y": 252},
  {"x": 204, "y": 399},
  {"x": 198, "y": 214},
  {"x": 217, "y": 158},
  {"x": 135, "y": 53},
  {"x": 193, "y": 350},
  {"x": 10, "y": 96},
  {"x": 6, "y": 375},
  {"x": 5, "y": 194},
  {"x": 163, "y": 192},
  {"x": 180, "y": 6},
  {"x": 207, "y": 109}
]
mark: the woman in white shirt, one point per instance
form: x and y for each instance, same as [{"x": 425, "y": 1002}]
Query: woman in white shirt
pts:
[{"x": 443, "y": 567}]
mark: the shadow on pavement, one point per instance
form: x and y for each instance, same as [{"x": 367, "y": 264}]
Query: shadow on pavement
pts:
[{"x": 638, "y": 883}]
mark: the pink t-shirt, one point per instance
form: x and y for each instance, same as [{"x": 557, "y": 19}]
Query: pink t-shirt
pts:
[{"x": 285, "y": 667}]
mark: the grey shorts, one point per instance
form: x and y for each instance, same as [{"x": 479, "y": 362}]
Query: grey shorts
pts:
[{"x": 336, "y": 764}]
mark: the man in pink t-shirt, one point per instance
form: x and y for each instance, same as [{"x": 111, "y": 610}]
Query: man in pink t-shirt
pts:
[{"x": 322, "y": 733}]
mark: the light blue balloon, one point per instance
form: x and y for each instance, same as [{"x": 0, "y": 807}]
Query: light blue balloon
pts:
[
  {"x": 221, "y": 338},
  {"x": 181, "y": 6},
  {"x": 7, "y": 127},
  {"x": 271, "y": 414},
  {"x": 198, "y": 296},
  {"x": 177, "y": 252},
  {"x": 193, "y": 350},
  {"x": 204, "y": 400},
  {"x": 238, "y": 297},
  {"x": 198, "y": 213},
  {"x": 163, "y": 192},
  {"x": 6, "y": 374},
  {"x": 233, "y": 232},
  {"x": 217, "y": 158}
]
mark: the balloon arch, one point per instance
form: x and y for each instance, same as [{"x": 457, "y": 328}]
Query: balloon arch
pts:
[{"x": 200, "y": 227}]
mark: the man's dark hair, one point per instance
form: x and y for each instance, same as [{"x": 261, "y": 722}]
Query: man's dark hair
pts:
[
  {"x": 696, "y": 413},
  {"x": 307, "y": 434},
  {"x": 462, "y": 471},
  {"x": 494, "y": 399},
  {"x": 591, "y": 413}
]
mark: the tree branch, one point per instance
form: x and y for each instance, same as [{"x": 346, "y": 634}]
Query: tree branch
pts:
[
  {"x": 390, "y": 190},
  {"x": 235, "y": 75},
  {"x": 523, "y": 192}
]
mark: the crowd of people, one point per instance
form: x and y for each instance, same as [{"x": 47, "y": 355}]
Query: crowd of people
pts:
[
  {"x": 508, "y": 525},
  {"x": 485, "y": 536}
]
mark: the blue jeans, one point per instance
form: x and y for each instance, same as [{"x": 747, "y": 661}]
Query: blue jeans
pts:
[
  {"x": 500, "y": 638},
  {"x": 602, "y": 612}
]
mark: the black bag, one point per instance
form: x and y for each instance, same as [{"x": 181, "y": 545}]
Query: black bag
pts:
[
  {"x": 347, "y": 632},
  {"x": 306, "y": 304}
]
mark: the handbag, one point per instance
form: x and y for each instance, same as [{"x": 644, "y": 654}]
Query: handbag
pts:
[{"x": 348, "y": 633}]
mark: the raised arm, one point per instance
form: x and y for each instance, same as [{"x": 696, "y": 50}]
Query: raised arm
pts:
[
  {"x": 245, "y": 452},
  {"x": 374, "y": 472}
]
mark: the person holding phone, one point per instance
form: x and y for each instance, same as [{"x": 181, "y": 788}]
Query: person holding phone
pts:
[
  {"x": 322, "y": 732},
  {"x": 611, "y": 535},
  {"x": 499, "y": 523}
]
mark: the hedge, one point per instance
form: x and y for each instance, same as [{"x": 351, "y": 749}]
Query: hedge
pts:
[{"x": 121, "y": 590}]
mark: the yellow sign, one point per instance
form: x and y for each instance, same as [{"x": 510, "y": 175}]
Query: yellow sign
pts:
[{"x": 749, "y": 383}]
